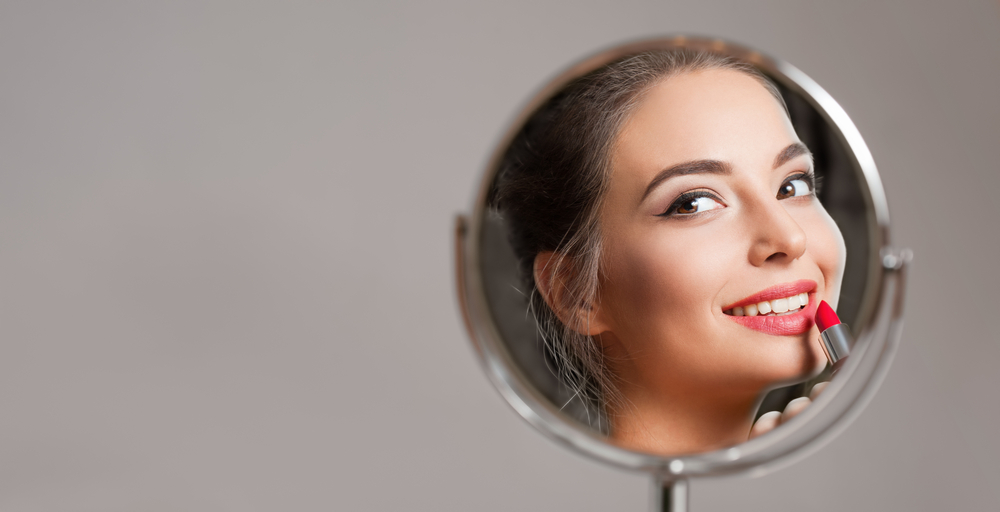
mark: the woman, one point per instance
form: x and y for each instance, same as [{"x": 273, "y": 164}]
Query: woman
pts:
[{"x": 664, "y": 214}]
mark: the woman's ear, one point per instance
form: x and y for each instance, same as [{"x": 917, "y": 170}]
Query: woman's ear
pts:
[{"x": 554, "y": 274}]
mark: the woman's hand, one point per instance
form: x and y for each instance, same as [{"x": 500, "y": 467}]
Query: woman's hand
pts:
[{"x": 768, "y": 421}]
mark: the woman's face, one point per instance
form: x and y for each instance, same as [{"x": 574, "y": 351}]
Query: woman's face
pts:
[{"x": 710, "y": 207}]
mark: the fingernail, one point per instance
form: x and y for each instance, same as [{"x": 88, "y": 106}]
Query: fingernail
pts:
[
  {"x": 794, "y": 408},
  {"x": 817, "y": 389},
  {"x": 765, "y": 423}
]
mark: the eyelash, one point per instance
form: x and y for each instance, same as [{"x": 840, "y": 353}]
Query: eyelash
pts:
[
  {"x": 809, "y": 176},
  {"x": 815, "y": 182},
  {"x": 687, "y": 197}
]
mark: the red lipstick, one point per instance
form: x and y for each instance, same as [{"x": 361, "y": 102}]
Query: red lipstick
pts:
[
  {"x": 834, "y": 336},
  {"x": 776, "y": 292},
  {"x": 791, "y": 324}
]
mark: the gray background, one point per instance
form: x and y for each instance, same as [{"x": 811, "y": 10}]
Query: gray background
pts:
[{"x": 226, "y": 263}]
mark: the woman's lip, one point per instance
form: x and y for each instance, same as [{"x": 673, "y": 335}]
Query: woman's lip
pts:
[
  {"x": 781, "y": 325},
  {"x": 776, "y": 292}
]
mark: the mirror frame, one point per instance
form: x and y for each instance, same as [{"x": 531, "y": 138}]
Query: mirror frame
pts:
[{"x": 879, "y": 325}]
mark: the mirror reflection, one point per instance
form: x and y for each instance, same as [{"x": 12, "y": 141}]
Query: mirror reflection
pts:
[{"x": 661, "y": 232}]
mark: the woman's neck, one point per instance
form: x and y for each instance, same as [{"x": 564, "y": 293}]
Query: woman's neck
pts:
[{"x": 687, "y": 423}]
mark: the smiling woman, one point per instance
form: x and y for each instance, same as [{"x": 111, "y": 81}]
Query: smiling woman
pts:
[
  {"x": 663, "y": 212},
  {"x": 646, "y": 252}
]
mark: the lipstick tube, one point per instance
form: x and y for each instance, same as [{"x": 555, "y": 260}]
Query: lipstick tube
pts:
[
  {"x": 834, "y": 336},
  {"x": 836, "y": 344}
]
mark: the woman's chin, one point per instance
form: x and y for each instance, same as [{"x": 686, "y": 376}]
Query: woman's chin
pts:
[
  {"x": 812, "y": 366},
  {"x": 810, "y": 362},
  {"x": 797, "y": 368}
]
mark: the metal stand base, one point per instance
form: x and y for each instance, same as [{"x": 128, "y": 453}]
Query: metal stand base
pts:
[{"x": 670, "y": 496}]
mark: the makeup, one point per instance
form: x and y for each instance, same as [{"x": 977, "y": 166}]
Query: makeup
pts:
[
  {"x": 834, "y": 336},
  {"x": 783, "y": 310}
]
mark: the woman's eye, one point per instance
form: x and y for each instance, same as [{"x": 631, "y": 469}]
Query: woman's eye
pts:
[
  {"x": 795, "y": 188},
  {"x": 692, "y": 205}
]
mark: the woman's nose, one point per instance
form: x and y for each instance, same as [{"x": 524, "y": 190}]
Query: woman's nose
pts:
[{"x": 778, "y": 238}]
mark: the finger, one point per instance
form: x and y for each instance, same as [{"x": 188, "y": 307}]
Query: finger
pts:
[
  {"x": 794, "y": 408},
  {"x": 817, "y": 389},
  {"x": 765, "y": 424}
]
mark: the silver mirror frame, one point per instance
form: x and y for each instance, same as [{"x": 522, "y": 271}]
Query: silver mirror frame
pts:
[{"x": 881, "y": 317}]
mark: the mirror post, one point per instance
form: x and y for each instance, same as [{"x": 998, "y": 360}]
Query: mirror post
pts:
[{"x": 670, "y": 495}]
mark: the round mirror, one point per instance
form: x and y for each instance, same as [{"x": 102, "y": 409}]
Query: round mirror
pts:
[{"x": 648, "y": 249}]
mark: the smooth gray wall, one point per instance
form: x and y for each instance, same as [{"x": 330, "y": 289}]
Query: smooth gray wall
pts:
[{"x": 226, "y": 261}]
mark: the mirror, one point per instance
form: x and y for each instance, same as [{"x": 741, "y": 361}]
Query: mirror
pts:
[{"x": 629, "y": 224}]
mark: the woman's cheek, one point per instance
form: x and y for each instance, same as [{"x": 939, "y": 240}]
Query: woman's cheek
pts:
[
  {"x": 638, "y": 282},
  {"x": 830, "y": 254},
  {"x": 683, "y": 270}
]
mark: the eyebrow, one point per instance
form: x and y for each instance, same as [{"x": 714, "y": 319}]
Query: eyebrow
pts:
[
  {"x": 686, "y": 168},
  {"x": 793, "y": 150}
]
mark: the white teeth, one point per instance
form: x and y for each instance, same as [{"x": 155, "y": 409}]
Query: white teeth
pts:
[
  {"x": 779, "y": 305},
  {"x": 793, "y": 302},
  {"x": 776, "y": 306}
]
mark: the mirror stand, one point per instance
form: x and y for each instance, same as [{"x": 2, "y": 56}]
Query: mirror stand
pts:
[{"x": 669, "y": 495}]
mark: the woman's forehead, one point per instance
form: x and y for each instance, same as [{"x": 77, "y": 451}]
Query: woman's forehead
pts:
[{"x": 714, "y": 114}]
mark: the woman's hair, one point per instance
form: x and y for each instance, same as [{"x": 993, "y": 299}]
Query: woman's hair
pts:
[{"x": 549, "y": 189}]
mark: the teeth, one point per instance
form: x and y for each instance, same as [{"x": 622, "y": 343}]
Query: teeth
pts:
[
  {"x": 779, "y": 305},
  {"x": 776, "y": 306}
]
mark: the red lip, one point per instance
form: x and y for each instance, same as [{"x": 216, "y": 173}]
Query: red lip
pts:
[
  {"x": 784, "y": 325},
  {"x": 777, "y": 292}
]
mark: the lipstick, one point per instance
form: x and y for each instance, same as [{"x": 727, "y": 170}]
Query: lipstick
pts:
[
  {"x": 834, "y": 336},
  {"x": 792, "y": 323}
]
